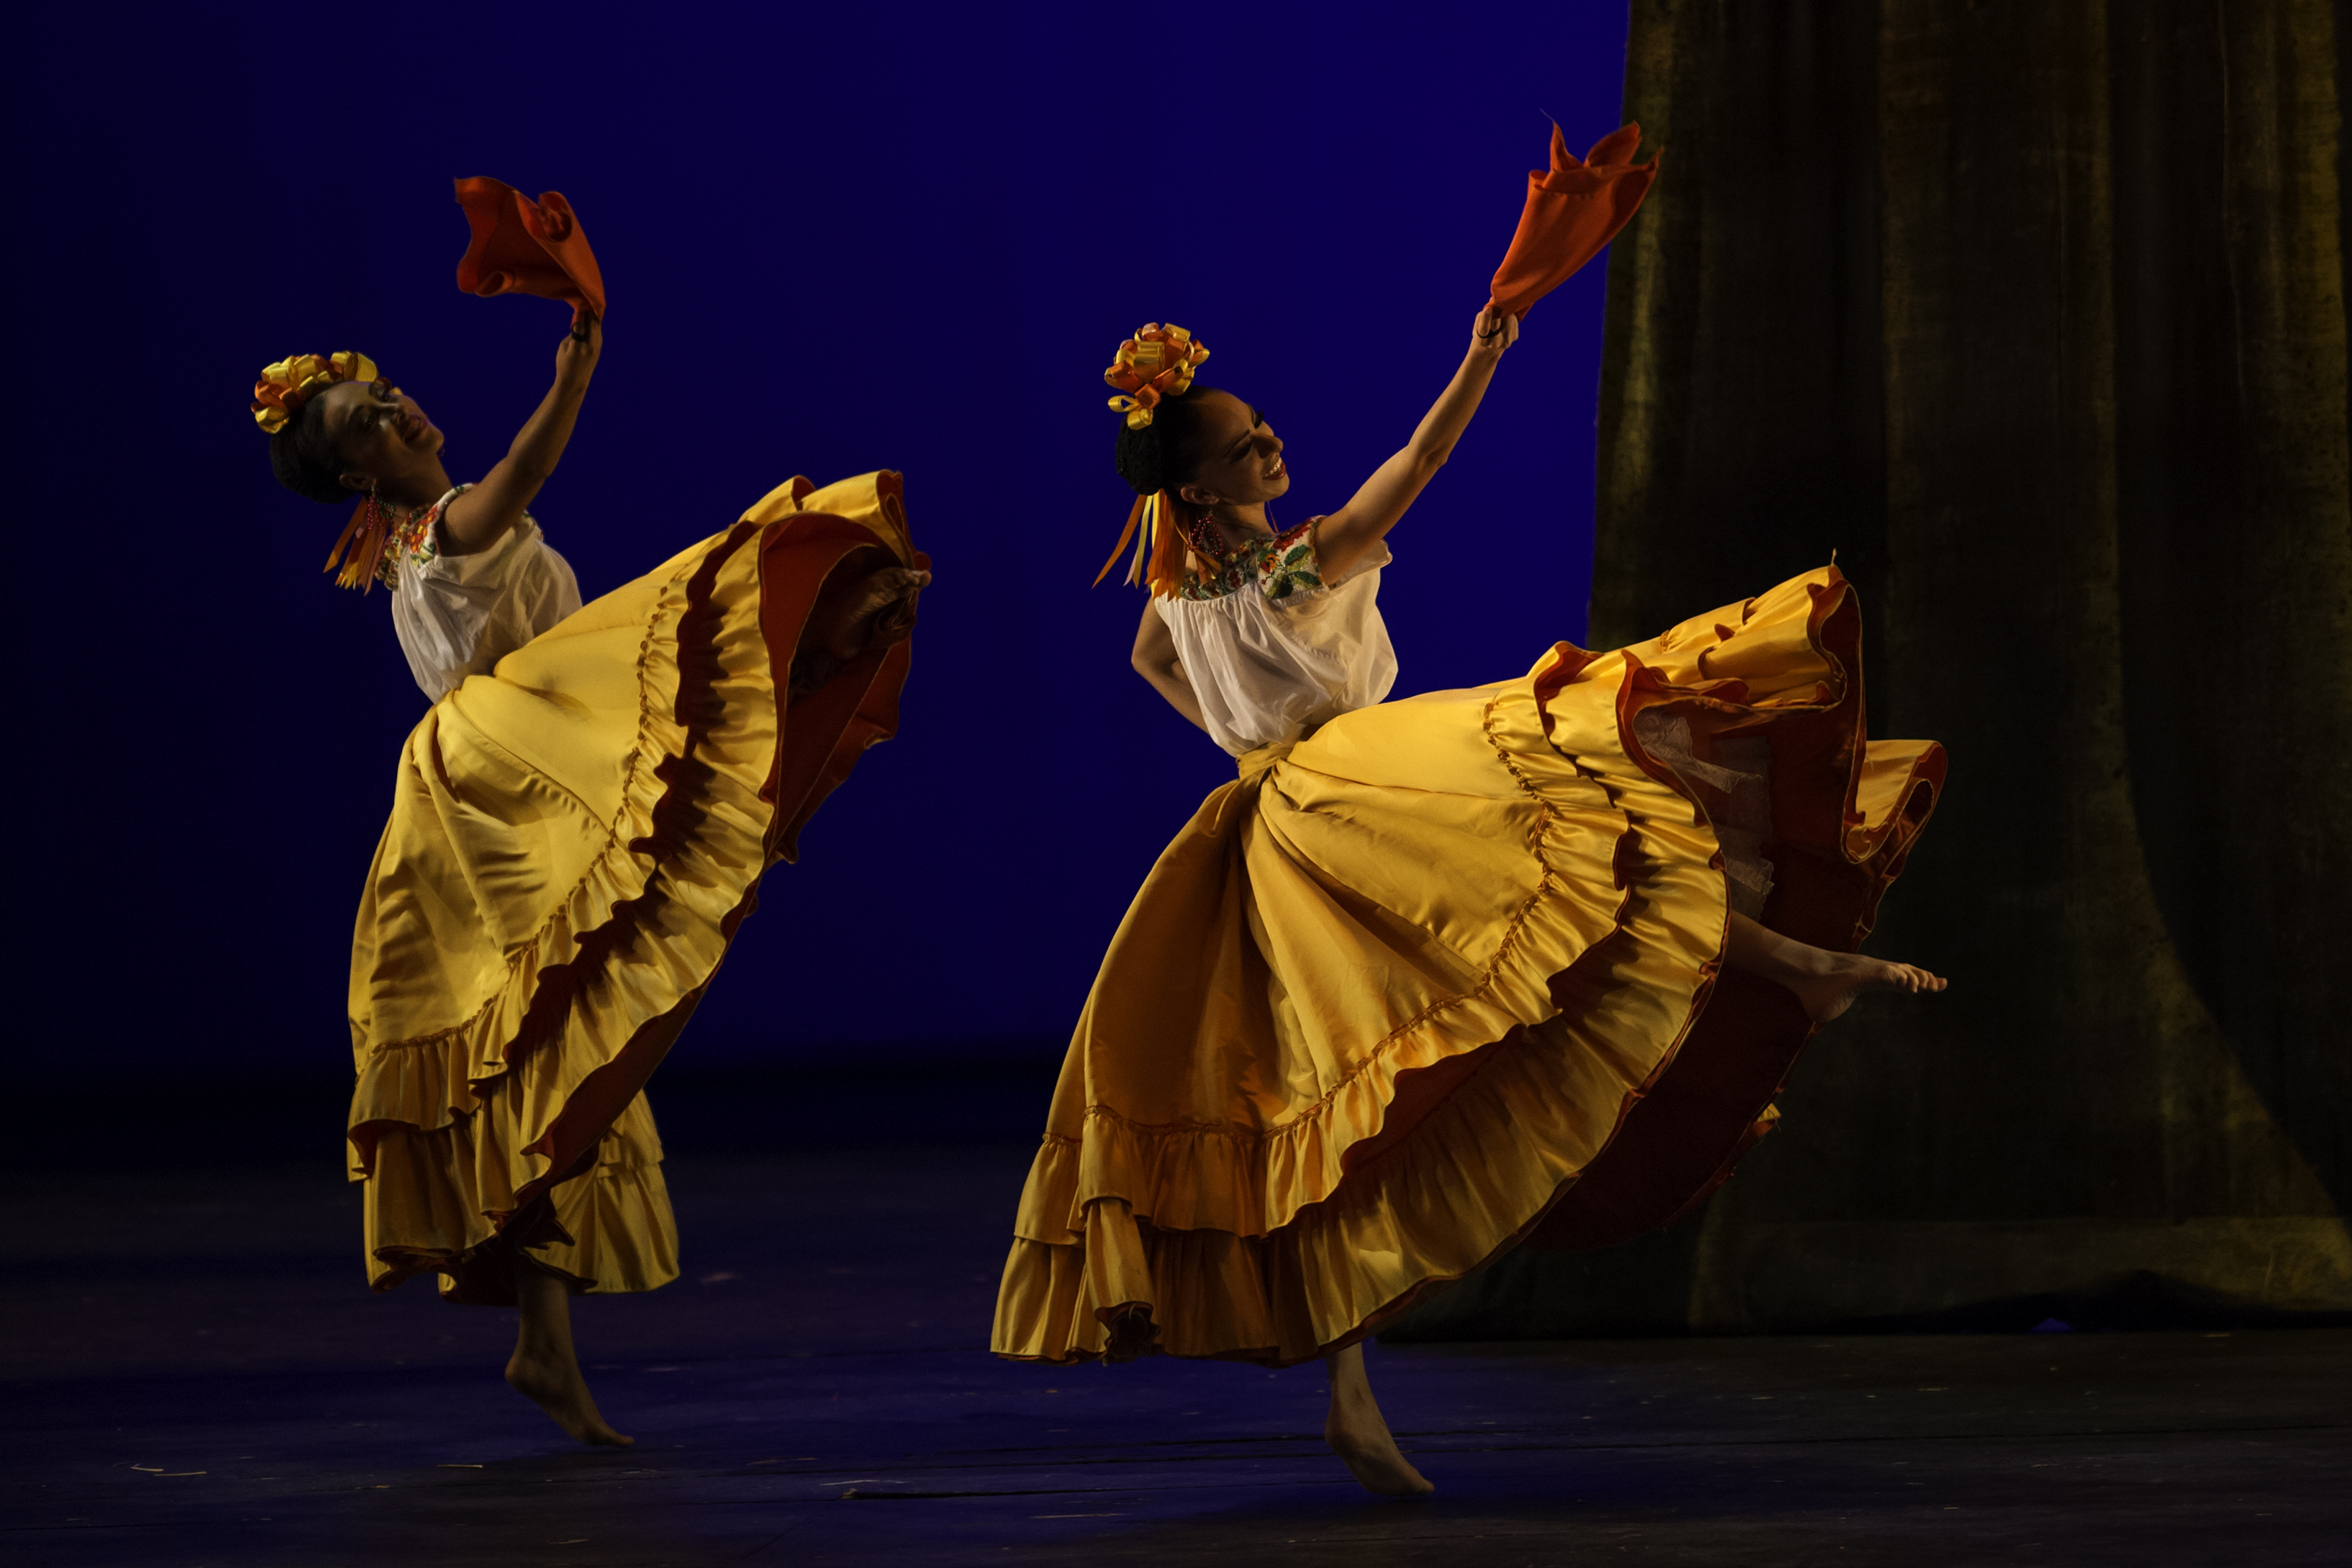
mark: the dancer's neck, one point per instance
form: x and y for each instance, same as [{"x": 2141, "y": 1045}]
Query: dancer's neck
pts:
[
  {"x": 1241, "y": 525},
  {"x": 411, "y": 491}
]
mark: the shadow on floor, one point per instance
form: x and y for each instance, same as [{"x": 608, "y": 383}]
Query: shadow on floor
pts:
[{"x": 196, "y": 1375}]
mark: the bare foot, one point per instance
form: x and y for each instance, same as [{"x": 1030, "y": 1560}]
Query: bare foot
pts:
[
  {"x": 1373, "y": 1458},
  {"x": 881, "y": 609},
  {"x": 870, "y": 595},
  {"x": 555, "y": 1386},
  {"x": 1844, "y": 975},
  {"x": 545, "y": 1369},
  {"x": 1360, "y": 1437},
  {"x": 1825, "y": 982},
  {"x": 862, "y": 604}
]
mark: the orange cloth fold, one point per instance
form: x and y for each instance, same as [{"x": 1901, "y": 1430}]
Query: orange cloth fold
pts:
[
  {"x": 1573, "y": 210},
  {"x": 522, "y": 247}
]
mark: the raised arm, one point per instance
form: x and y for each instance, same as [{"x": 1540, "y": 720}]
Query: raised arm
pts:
[
  {"x": 1350, "y": 532},
  {"x": 488, "y": 512},
  {"x": 1155, "y": 660}
]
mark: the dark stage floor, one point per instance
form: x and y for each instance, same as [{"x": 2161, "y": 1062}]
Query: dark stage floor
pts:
[{"x": 195, "y": 1376}]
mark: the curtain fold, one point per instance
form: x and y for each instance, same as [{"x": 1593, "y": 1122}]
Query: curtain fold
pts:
[{"x": 2035, "y": 315}]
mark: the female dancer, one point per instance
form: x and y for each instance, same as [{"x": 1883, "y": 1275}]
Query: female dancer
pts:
[
  {"x": 579, "y": 825},
  {"x": 1522, "y": 963}
]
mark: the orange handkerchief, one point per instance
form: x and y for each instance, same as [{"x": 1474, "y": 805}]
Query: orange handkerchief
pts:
[
  {"x": 1573, "y": 210},
  {"x": 522, "y": 247}
]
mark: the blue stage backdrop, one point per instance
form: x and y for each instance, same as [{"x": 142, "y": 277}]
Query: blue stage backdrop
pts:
[{"x": 836, "y": 239}]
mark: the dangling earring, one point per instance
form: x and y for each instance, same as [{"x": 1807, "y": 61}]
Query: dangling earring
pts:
[
  {"x": 366, "y": 534},
  {"x": 1201, "y": 533},
  {"x": 380, "y": 526}
]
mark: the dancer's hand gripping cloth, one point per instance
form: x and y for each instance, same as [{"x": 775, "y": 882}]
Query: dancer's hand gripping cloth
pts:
[
  {"x": 522, "y": 247},
  {"x": 1573, "y": 210},
  {"x": 574, "y": 839},
  {"x": 1448, "y": 974}
]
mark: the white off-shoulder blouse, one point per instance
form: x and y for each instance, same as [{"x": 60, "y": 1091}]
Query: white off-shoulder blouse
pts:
[
  {"x": 1272, "y": 650},
  {"x": 457, "y": 616}
]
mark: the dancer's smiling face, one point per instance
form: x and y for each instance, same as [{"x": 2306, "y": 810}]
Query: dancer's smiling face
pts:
[
  {"x": 381, "y": 433},
  {"x": 1240, "y": 461}
]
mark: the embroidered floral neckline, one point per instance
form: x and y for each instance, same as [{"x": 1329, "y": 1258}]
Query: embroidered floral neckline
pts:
[
  {"x": 1277, "y": 567},
  {"x": 414, "y": 539}
]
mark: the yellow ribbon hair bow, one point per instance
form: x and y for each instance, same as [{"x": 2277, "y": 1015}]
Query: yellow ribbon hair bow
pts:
[
  {"x": 1157, "y": 363},
  {"x": 287, "y": 385},
  {"x": 1154, "y": 527}
]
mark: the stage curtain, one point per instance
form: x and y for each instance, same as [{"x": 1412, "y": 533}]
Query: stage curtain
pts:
[{"x": 2035, "y": 314}]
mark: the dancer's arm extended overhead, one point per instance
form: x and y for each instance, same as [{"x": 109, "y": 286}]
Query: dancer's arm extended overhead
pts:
[
  {"x": 486, "y": 513},
  {"x": 1351, "y": 532}
]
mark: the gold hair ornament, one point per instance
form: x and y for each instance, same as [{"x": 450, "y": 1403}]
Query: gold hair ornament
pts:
[
  {"x": 285, "y": 386},
  {"x": 1157, "y": 363}
]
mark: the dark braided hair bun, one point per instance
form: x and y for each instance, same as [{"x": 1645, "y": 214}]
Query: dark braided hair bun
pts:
[
  {"x": 303, "y": 456},
  {"x": 1166, "y": 454}
]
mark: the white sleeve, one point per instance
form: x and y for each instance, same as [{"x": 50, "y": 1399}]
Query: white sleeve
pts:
[{"x": 457, "y": 616}]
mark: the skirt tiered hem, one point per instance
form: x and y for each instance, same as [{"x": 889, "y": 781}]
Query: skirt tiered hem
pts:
[
  {"x": 575, "y": 840},
  {"x": 1447, "y": 977}
]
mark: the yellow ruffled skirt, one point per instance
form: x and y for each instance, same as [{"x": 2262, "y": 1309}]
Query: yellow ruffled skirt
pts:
[
  {"x": 1448, "y": 977},
  {"x": 574, "y": 839}
]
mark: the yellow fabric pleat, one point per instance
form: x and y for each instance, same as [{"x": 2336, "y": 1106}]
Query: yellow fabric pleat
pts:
[
  {"x": 573, "y": 839},
  {"x": 1486, "y": 886}
]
